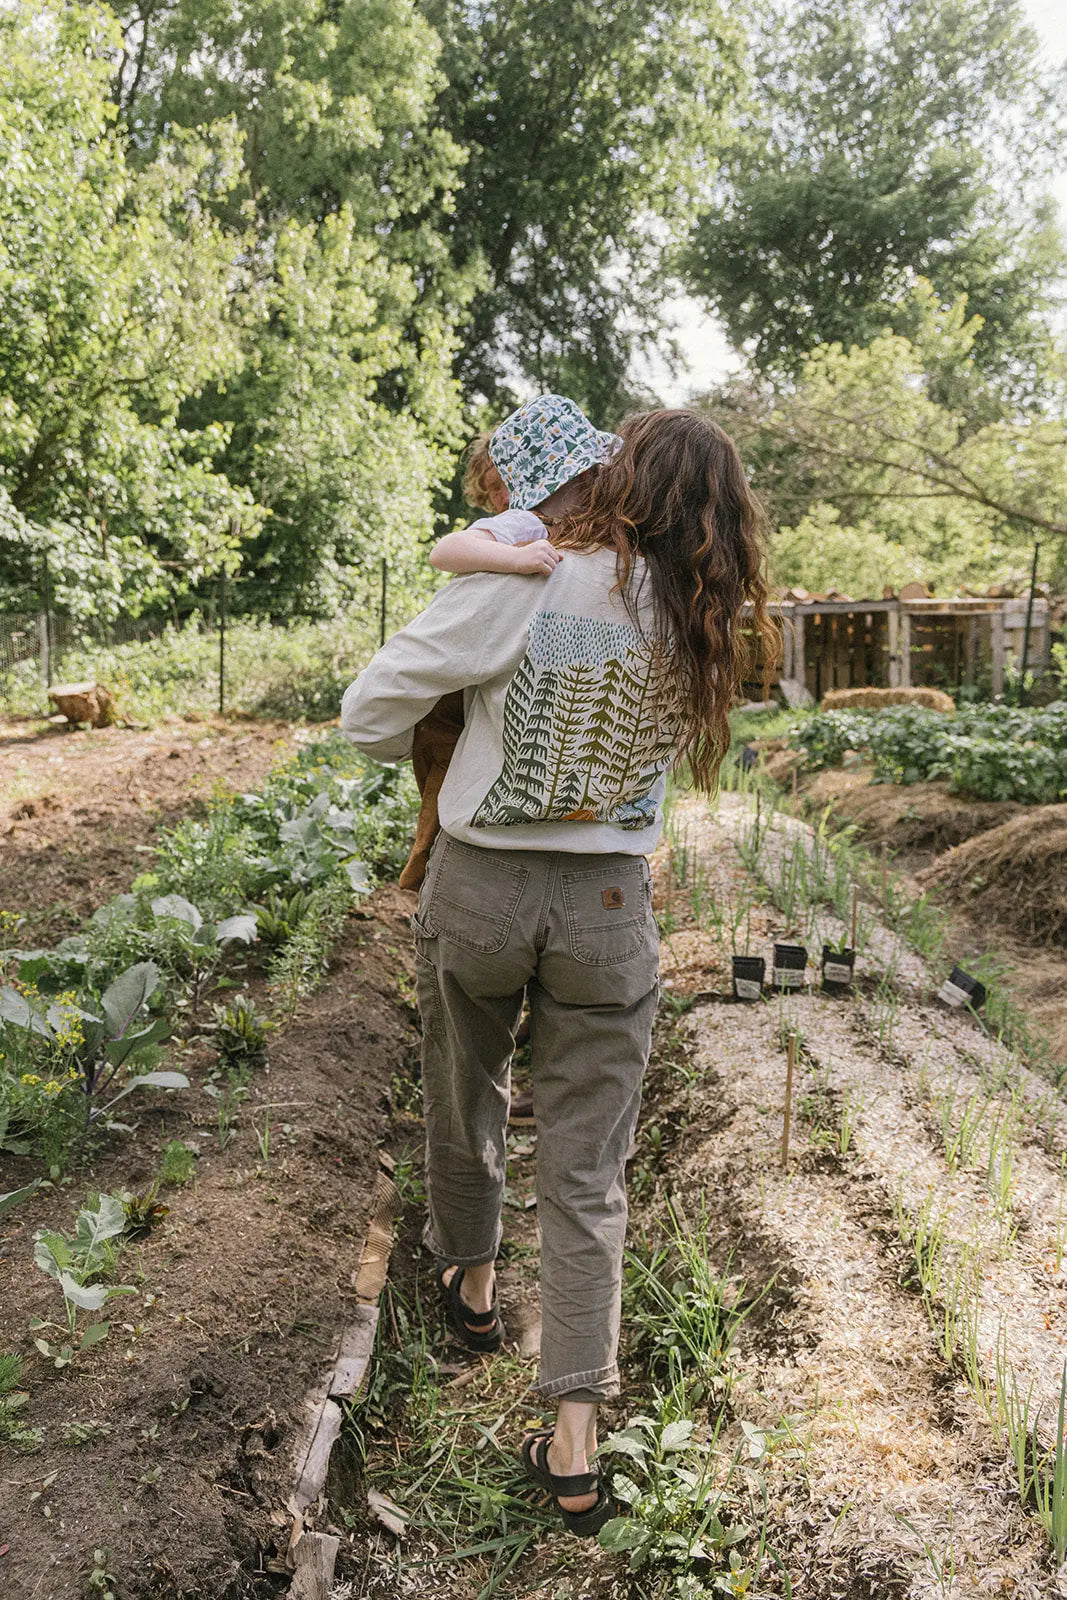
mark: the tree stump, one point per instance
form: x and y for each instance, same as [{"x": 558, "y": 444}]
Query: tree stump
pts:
[{"x": 84, "y": 702}]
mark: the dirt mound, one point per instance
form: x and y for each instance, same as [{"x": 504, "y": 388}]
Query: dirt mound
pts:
[
  {"x": 878, "y": 699},
  {"x": 78, "y": 809},
  {"x": 921, "y": 816},
  {"x": 172, "y": 1446},
  {"x": 1014, "y": 875}
]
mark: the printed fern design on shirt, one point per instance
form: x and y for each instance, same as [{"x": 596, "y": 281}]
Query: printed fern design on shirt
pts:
[{"x": 590, "y": 724}]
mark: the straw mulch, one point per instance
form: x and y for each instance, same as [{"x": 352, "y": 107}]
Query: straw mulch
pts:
[
  {"x": 1014, "y": 875},
  {"x": 877, "y": 699},
  {"x": 920, "y": 816}
]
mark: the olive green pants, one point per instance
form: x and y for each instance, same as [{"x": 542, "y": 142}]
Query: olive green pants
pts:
[{"x": 577, "y": 933}]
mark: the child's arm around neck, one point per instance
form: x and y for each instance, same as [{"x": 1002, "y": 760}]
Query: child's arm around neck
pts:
[{"x": 513, "y": 541}]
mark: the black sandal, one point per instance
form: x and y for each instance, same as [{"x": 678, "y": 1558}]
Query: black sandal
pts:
[
  {"x": 463, "y": 1319},
  {"x": 585, "y": 1524}
]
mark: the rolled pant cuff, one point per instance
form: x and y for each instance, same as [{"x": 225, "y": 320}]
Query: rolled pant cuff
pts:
[
  {"x": 599, "y": 1383},
  {"x": 454, "y": 1259}
]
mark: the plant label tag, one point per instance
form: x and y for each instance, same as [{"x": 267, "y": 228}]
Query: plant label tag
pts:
[
  {"x": 789, "y": 977},
  {"x": 968, "y": 992},
  {"x": 837, "y": 972},
  {"x": 747, "y": 989}
]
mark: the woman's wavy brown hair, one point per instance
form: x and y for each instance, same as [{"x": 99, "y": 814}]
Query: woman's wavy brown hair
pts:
[{"x": 676, "y": 494}]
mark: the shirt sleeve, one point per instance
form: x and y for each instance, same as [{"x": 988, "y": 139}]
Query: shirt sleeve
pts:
[
  {"x": 453, "y": 644},
  {"x": 513, "y": 527}
]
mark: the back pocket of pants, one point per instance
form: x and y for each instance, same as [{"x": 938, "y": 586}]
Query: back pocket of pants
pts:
[
  {"x": 473, "y": 898},
  {"x": 608, "y": 912}
]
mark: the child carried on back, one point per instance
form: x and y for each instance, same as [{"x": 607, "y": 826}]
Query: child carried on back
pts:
[{"x": 527, "y": 473}]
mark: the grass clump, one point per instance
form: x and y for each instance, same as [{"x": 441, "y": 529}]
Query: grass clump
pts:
[
  {"x": 177, "y": 1165},
  {"x": 12, "y": 1400}
]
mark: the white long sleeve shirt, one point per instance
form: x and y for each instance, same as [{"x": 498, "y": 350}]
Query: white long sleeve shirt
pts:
[{"x": 571, "y": 719}]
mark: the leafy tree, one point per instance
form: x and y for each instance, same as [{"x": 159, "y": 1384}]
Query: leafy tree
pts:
[
  {"x": 589, "y": 131},
  {"x": 115, "y": 291},
  {"x": 344, "y": 418},
  {"x": 881, "y": 473},
  {"x": 888, "y": 139}
]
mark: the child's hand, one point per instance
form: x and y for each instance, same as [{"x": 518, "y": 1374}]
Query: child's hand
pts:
[{"x": 539, "y": 557}]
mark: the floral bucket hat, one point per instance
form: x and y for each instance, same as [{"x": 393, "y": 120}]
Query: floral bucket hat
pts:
[{"x": 543, "y": 445}]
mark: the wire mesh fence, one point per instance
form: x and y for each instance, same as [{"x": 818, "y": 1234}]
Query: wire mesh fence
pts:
[{"x": 217, "y": 650}]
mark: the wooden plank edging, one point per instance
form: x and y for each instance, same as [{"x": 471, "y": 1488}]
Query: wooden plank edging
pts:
[{"x": 313, "y": 1569}]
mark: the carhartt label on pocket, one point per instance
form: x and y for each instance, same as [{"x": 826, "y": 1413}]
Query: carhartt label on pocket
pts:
[{"x": 613, "y": 899}]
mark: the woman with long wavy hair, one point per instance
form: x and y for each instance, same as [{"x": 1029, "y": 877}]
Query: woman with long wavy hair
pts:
[{"x": 583, "y": 689}]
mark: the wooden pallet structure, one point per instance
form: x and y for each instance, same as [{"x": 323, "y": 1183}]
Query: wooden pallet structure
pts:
[{"x": 900, "y": 641}]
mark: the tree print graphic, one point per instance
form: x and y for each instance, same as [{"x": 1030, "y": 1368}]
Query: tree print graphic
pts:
[{"x": 590, "y": 722}]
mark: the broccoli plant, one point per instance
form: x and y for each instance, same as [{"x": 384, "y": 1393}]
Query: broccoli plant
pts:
[
  {"x": 98, "y": 1045},
  {"x": 75, "y": 1262}
]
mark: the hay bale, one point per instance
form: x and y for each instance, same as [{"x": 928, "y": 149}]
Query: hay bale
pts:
[
  {"x": 878, "y": 699},
  {"x": 1014, "y": 875},
  {"x": 84, "y": 702}
]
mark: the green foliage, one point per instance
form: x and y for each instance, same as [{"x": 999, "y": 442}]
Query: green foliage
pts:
[
  {"x": 873, "y": 449},
  {"x": 342, "y": 416},
  {"x": 115, "y": 307},
  {"x": 294, "y": 671},
  {"x": 680, "y": 1507},
  {"x": 65, "y": 1054},
  {"x": 12, "y": 1401},
  {"x": 217, "y": 863},
  {"x": 178, "y": 1163},
  {"x": 581, "y": 123},
  {"x": 296, "y": 970},
  {"x": 992, "y": 752},
  {"x": 240, "y": 1032},
  {"x": 826, "y": 735},
  {"x": 881, "y": 144},
  {"x": 680, "y": 1314},
  {"x": 77, "y": 1262}
]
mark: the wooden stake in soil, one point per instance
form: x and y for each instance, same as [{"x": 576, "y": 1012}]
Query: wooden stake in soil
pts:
[
  {"x": 790, "y": 1062},
  {"x": 885, "y": 874},
  {"x": 855, "y": 915}
]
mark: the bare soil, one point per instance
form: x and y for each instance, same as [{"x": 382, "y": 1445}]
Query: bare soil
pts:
[
  {"x": 190, "y": 1412},
  {"x": 79, "y": 808}
]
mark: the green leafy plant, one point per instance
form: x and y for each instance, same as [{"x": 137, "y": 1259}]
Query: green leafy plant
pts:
[
  {"x": 240, "y": 1031},
  {"x": 92, "y": 1048},
  {"x": 12, "y": 1400},
  {"x": 177, "y": 1164},
  {"x": 76, "y": 1263},
  {"x": 281, "y": 914},
  {"x": 680, "y": 1510}
]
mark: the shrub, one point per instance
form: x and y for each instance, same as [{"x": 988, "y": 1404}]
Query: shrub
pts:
[
  {"x": 999, "y": 769},
  {"x": 826, "y": 735}
]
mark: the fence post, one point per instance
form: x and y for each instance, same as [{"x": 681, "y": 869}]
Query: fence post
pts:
[
  {"x": 44, "y": 626},
  {"x": 385, "y": 580},
  {"x": 222, "y": 642},
  {"x": 1029, "y": 624}
]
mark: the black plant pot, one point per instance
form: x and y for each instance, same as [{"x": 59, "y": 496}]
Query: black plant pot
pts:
[
  {"x": 960, "y": 989},
  {"x": 748, "y": 977},
  {"x": 837, "y": 969},
  {"x": 790, "y": 961}
]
